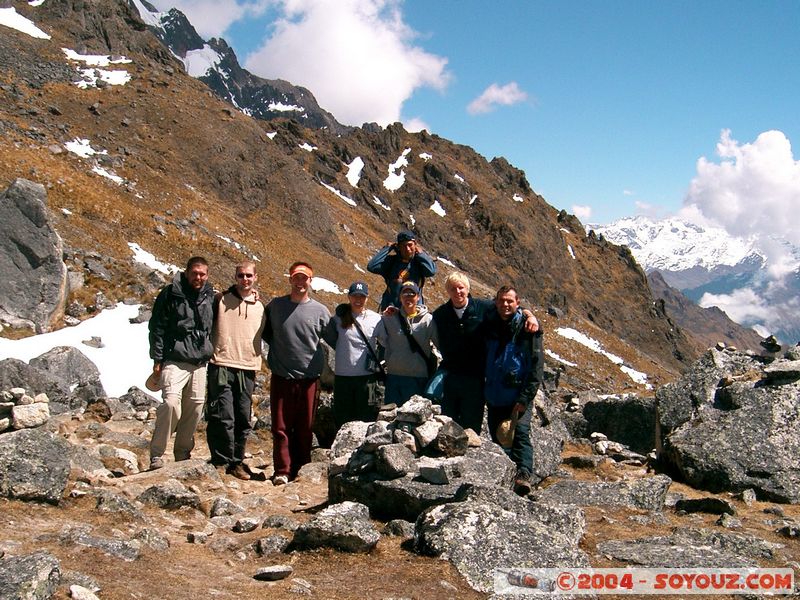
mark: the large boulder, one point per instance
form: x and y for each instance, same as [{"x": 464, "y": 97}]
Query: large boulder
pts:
[
  {"x": 482, "y": 538},
  {"x": 344, "y": 526},
  {"x": 78, "y": 376},
  {"x": 733, "y": 424},
  {"x": 31, "y": 577},
  {"x": 34, "y": 465},
  {"x": 648, "y": 493},
  {"x": 32, "y": 269},
  {"x": 627, "y": 419},
  {"x": 16, "y": 373}
]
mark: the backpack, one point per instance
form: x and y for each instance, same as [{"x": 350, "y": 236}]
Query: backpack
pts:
[{"x": 507, "y": 369}]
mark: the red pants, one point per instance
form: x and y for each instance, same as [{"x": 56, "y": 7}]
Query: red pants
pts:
[{"x": 293, "y": 403}]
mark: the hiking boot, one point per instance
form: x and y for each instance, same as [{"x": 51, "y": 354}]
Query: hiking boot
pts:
[
  {"x": 156, "y": 462},
  {"x": 180, "y": 457},
  {"x": 239, "y": 472},
  {"x": 280, "y": 480},
  {"x": 522, "y": 484}
]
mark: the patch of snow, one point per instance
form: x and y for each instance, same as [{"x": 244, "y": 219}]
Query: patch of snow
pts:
[
  {"x": 354, "y": 170},
  {"x": 92, "y": 76},
  {"x": 307, "y": 147},
  {"x": 281, "y": 107},
  {"x": 595, "y": 346},
  {"x": 143, "y": 256},
  {"x": 95, "y": 60},
  {"x": 425, "y": 156},
  {"x": 571, "y": 252},
  {"x": 108, "y": 174},
  {"x": 35, "y": 3},
  {"x": 320, "y": 284},
  {"x": 377, "y": 201},
  {"x": 413, "y": 220},
  {"x": 518, "y": 198},
  {"x": 12, "y": 19},
  {"x": 150, "y": 18},
  {"x": 350, "y": 201},
  {"x": 202, "y": 60},
  {"x": 123, "y": 361},
  {"x": 357, "y": 268},
  {"x": 438, "y": 209},
  {"x": 445, "y": 261},
  {"x": 473, "y": 198},
  {"x": 66, "y": 211},
  {"x": 396, "y": 180},
  {"x": 458, "y": 177},
  {"x": 271, "y": 135},
  {"x": 555, "y": 356},
  {"x": 82, "y": 148}
]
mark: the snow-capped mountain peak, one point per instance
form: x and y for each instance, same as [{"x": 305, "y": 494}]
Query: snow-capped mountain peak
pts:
[{"x": 677, "y": 245}]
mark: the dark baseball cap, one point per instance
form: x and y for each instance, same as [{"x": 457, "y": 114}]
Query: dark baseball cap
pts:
[
  {"x": 358, "y": 287},
  {"x": 405, "y": 236}
]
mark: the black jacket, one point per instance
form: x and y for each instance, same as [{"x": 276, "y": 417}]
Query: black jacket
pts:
[
  {"x": 461, "y": 341},
  {"x": 180, "y": 328}
]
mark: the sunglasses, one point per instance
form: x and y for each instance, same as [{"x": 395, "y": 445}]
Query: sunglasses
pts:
[{"x": 245, "y": 275}]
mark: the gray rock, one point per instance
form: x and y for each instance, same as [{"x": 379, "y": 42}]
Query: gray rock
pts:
[
  {"x": 74, "y": 370},
  {"x": 439, "y": 471},
  {"x": 649, "y": 493},
  {"x": 31, "y": 267},
  {"x": 153, "y": 539},
  {"x": 480, "y": 537},
  {"x": 171, "y": 494},
  {"x": 451, "y": 440},
  {"x": 406, "y": 497},
  {"x": 26, "y": 416},
  {"x": 744, "y": 435},
  {"x": 78, "y": 592},
  {"x": 273, "y": 573},
  {"x": 119, "y": 461},
  {"x": 271, "y": 544},
  {"x": 629, "y": 420},
  {"x": 789, "y": 531},
  {"x": 34, "y": 465},
  {"x": 246, "y": 524},
  {"x": 399, "y": 528},
  {"x": 416, "y": 410},
  {"x": 714, "y": 506},
  {"x": 15, "y": 372},
  {"x": 729, "y": 522},
  {"x": 31, "y": 577},
  {"x": 691, "y": 548},
  {"x": 280, "y": 522},
  {"x": 783, "y": 371},
  {"x": 109, "y": 502},
  {"x": 345, "y": 526},
  {"x": 126, "y": 550},
  {"x": 349, "y": 437},
  {"x": 222, "y": 507},
  {"x": 427, "y": 432},
  {"x": 394, "y": 460},
  {"x": 378, "y": 434}
]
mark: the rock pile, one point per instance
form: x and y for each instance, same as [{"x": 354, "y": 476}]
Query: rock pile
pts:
[
  {"x": 411, "y": 458},
  {"x": 18, "y": 410}
]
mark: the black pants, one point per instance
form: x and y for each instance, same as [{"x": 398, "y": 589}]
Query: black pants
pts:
[
  {"x": 354, "y": 399},
  {"x": 521, "y": 451},
  {"x": 230, "y": 398},
  {"x": 463, "y": 400}
]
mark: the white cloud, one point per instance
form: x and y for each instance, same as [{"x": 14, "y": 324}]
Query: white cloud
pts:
[
  {"x": 584, "y": 213},
  {"x": 743, "y": 305},
  {"x": 496, "y": 95},
  {"x": 211, "y": 18},
  {"x": 357, "y": 56},
  {"x": 754, "y": 189},
  {"x": 415, "y": 125}
]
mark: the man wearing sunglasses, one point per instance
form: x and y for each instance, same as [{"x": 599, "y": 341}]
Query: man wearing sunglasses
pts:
[{"x": 238, "y": 324}]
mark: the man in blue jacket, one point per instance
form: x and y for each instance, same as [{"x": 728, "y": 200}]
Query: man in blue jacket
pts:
[
  {"x": 180, "y": 346},
  {"x": 400, "y": 262},
  {"x": 514, "y": 371}
]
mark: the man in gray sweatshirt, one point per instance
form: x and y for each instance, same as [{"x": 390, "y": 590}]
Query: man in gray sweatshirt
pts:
[{"x": 293, "y": 330}]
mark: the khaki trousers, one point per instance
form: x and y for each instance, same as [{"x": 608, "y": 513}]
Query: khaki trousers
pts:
[{"x": 183, "y": 388}]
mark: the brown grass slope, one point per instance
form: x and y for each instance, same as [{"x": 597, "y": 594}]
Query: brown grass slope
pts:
[{"x": 196, "y": 169}]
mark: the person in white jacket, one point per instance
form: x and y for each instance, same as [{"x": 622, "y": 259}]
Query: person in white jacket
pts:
[
  {"x": 409, "y": 364},
  {"x": 351, "y": 333}
]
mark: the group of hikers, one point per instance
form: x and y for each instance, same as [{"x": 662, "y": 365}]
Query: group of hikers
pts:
[{"x": 202, "y": 341}]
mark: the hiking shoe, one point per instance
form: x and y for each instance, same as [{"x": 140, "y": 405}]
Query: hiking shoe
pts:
[
  {"x": 239, "y": 472},
  {"x": 180, "y": 457},
  {"x": 280, "y": 480},
  {"x": 156, "y": 462},
  {"x": 522, "y": 484}
]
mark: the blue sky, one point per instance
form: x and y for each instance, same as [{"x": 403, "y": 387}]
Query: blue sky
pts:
[{"x": 608, "y": 105}]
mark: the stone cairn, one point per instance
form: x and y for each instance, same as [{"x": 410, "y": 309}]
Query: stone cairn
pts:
[{"x": 19, "y": 410}]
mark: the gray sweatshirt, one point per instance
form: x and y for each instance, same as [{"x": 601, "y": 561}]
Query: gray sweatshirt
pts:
[
  {"x": 351, "y": 351},
  {"x": 400, "y": 358},
  {"x": 293, "y": 332}
]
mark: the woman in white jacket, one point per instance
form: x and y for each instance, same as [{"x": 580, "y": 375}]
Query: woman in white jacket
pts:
[
  {"x": 407, "y": 364},
  {"x": 354, "y": 394}
]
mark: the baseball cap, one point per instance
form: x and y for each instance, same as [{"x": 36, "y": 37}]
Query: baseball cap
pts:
[
  {"x": 409, "y": 286},
  {"x": 358, "y": 287},
  {"x": 304, "y": 269},
  {"x": 405, "y": 236}
]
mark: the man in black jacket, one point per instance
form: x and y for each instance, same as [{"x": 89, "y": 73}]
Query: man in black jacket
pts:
[{"x": 180, "y": 346}]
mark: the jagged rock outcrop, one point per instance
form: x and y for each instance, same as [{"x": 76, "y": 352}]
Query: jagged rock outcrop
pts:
[
  {"x": 32, "y": 270},
  {"x": 733, "y": 423}
]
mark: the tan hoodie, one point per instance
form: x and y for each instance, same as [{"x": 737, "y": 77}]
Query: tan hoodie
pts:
[{"x": 237, "y": 332}]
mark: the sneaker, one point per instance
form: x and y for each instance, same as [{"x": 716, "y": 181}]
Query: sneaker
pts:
[
  {"x": 280, "y": 480},
  {"x": 239, "y": 472},
  {"x": 156, "y": 462}
]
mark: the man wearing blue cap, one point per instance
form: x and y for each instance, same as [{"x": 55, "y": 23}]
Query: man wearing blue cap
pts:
[{"x": 399, "y": 262}]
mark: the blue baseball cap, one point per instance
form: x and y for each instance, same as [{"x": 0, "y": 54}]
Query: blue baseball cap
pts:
[{"x": 358, "y": 288}]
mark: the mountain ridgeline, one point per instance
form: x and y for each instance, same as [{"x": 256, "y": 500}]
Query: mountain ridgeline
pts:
[{"x": 207, "y": 167}]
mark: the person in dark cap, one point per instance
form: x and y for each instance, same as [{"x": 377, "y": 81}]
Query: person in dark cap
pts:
[
  {"x": 351, "y": 333},
  {"x": 399, "y": 262}
]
